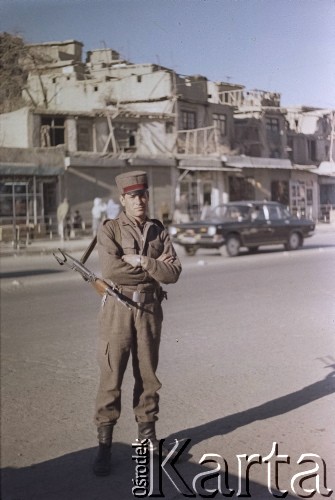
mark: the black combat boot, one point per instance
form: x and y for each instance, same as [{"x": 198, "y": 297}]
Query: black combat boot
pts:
[
  {"x": 102, "y": 462},
  {"x": 147, "y": 430}
]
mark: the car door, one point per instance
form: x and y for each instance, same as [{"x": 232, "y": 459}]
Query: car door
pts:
[
  {"x": 258, "y": 230},
  {"x": 279, "y": 223}
]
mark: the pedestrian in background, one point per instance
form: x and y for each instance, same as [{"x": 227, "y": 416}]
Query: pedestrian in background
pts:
[
  {"x": 136, "y": 254},
  {"x": 98, "y": 213},
  {"x": 113, "y": 209},
  {"x": 62, "y": 212},
  {"x": 77, "y": 220}
]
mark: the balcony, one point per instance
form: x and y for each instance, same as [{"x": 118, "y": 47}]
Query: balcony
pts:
[
  {"x": 251, "y": 99},
  {"x": 199, "y": 141}
]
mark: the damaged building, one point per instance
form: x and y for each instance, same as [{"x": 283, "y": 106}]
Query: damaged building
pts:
[{"x": 202, "y": 143}]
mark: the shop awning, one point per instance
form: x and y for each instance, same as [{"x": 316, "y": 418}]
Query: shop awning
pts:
[
  {"x": 253, "y": 162},
  {"x": 205, "y": 164},
  {"x": 29, "y": 169},
  {"x": 326, "y": 168},
  {"x": 109, "y": 160}
]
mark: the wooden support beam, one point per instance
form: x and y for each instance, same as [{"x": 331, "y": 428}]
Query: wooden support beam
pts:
[{"x": 90, "y": 178}]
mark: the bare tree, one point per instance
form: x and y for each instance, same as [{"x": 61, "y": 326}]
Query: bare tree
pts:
[
  {"x": 16, "y": 61},
  {"x": 13, "y": 77}
]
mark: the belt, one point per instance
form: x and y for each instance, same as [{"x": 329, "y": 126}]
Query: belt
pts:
[{"x": 143, "y": 297}]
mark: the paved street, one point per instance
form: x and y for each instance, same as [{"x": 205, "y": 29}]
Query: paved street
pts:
[{"x": 247, "y": 360}]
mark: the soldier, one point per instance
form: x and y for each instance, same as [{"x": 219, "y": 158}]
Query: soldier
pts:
[{"x": 136, "y": 254}]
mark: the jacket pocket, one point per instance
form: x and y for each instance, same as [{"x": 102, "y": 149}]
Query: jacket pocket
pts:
[{"x": 129, "y": 245}]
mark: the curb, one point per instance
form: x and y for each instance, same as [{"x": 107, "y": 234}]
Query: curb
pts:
[{"x": 44, "y": 247}]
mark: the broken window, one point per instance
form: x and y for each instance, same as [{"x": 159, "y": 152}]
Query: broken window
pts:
[
  {"x": 52, "y": 131},
  {"x": 84, "y": 136},
  {"x": 125, "y": 135},
  {"x": 311, "y": 145}
]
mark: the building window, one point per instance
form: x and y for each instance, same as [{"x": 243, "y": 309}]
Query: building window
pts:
[
  {"x": 280, "y": 192},
  {"x": 311, "y": 145},
  {"x": 52, "y": 131},
  {"x": 272, "y": 125},
  {"x": 273, "y": 131},
  {"x": 241, "y": 188},
  {"x": 290, "y": 148},
  {"x": 84, "y": 136},
  {"x": 220, "y": 123},
  {"x": 25, "y": 200},
  {"x": 125, "y": 136},
  {"x": 274, "y": 153},
  {"x": 132, "y": 140},
  {"x": 139, "y": 78},
  {"x": 188, "y": 120},
  {"x": 309, "y": 196},
  {"x": 298, "y": 198},
  {"x": 169, "y": 127}
]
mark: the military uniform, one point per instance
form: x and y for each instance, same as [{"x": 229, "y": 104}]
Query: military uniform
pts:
[{"x": 137, "y": 329}]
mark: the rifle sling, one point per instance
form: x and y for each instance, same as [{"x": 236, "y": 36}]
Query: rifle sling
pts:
[
  {"x": 88, "y": 251},
  {"x": 91, "y": 246}
]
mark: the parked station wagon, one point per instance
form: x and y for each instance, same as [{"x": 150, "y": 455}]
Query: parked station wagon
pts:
[{"x": 249, "y": 224}]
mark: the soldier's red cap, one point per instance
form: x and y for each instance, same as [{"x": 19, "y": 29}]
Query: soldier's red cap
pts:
[{"x": 131, "y": 182}]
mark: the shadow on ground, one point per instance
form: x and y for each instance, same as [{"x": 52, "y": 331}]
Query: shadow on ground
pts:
[
  {"x": 25, "y": 273},
  {"x": 270, "y": 409},
  {"x": 70, "y": 478}
]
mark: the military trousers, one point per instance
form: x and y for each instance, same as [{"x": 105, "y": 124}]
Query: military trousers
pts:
[{"x": 123, "y": 331}]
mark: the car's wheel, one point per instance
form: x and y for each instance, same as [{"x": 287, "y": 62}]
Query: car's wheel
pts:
[
  {"x": 253, "y": 249},
  {"x": 190, "y": 250},
  {"x": 294, "y": 242},
  {"x": 233, "y": 246}
]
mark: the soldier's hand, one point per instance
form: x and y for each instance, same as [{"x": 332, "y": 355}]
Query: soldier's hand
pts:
[
  {"x": 132, "y": 259},
  {"x": 168, "y": 259}
]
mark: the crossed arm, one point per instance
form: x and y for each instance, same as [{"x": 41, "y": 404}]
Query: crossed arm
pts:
[{"x": 142, "y": 261}]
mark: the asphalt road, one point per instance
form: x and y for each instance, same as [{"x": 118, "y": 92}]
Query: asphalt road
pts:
[{"x": 247, "y": 360}]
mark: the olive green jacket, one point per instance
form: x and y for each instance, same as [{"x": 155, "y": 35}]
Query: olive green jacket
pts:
[{"x": 153, "y": 242}]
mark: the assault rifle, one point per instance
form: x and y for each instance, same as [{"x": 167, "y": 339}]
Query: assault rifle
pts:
[{"x": 99, "y": 284}]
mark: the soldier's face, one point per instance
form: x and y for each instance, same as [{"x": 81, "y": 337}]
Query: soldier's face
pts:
[{"x": 136, "y": 204}]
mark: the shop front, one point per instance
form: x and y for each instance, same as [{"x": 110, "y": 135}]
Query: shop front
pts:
[
  {"x": 28, "y": 201},
  {"x": 202, "y": 185}
]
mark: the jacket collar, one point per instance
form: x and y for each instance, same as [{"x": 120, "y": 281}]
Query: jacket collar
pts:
[{"x": 126, "y": 220}]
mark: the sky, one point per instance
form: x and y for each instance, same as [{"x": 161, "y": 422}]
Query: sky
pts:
[{"x": 285, "y": 46}]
